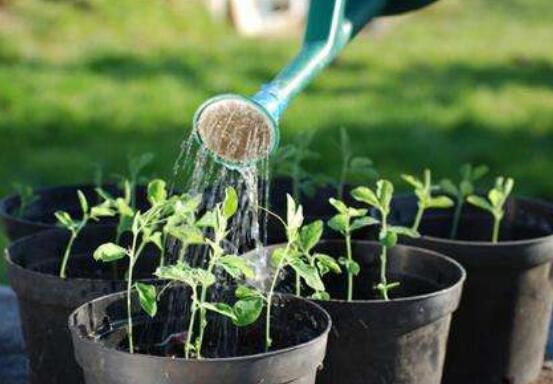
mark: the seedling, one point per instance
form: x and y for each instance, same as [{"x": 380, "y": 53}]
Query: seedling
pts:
[
  {"x": 249, "y": 305},
  {"x": 345, "y": 222},
  {"x": 289, "y": 160},
  {"x": 466, "y": 187},
  {"x": 497, "y": 197},
  {"x": 137, "y": 164},
  {"x": 354, "y": 168},
  {"x": 145, "y": 230},
  {"x": 26, "y": 198},
  {"x": 380, "y": 199},
  {"x": 76, "y": 226},
  {"x": 293, "y": 256},
  {"x": 423, "y": 190}
]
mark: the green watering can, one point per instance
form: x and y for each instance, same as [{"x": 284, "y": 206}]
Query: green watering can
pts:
[{"x": 238, "y": 130}]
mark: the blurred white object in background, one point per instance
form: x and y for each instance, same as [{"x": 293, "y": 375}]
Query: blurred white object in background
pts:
[{"x": 261, "y": 17}]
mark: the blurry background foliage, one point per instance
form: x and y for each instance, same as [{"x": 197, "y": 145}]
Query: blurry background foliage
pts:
[{"x": 88, "y": 82}]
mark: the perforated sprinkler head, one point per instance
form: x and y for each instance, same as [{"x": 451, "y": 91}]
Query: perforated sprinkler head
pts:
[{"x": 236, "y": 130}]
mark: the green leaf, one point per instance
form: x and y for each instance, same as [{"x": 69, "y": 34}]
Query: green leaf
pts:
[
  {"x": 247, "y": 311},
  {"x": 448, "y": 187},
  {"x": 294, "y": 216},
  {"x": 479, "y": 172},
  {"x": 64, "y": 219},
  {"x": 311, "y": 234},
  {"x": 277, "y": 257},
  {"x": 339, "y": 223},
  {"x": 413, "y": 181},
  {"x": 309, "y": 274},
  {"x": 186, "y": 233},
  {"x": 466, "y": 187},
  {"x": 244, "y": 292},
  {"x": 123, "y": 207},
  {"x": 321, "y": 295},
  {"x": 480, "y": 202},
  {"x": 180, "y": 272},
  {"x": 365, "y": 195},
  {"x": 496, "y": 197},
  {"x": 339, "y": 205},
  {"x": 388, "y": 238},
  {"x": 109, "y": 252},
  {"x": 230, "y": 204},
  {"x": 204, "y": 278},
  {"x": 186, "y": 204},
  {"x": 440, "y": 202},
  {"x": 385, "y": 192},
  {"x": 83, "y": 201},
  {"x": 156, "y": 239},
  {"x": 157, "y": 192},
  {"x": 220, "y": 308},
  {"x": 351, "y": 266},
  {"x": 363, "y": 222},
  {"x": 208, "y": 220},
  {"x": 101, "y": 211},
  {"x": 236, "y": 266},
  {"x": 147, "y": 296},
  {"x": 404, "y": 231},
  {"x": 327, "y": 263}
]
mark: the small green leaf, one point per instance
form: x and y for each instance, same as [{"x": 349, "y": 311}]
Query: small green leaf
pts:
[
  {"x": 413, "y": 181},
  {"x": 365, "y": 195},
  {"x": 441, "y": 202},
  {"x": 339, "y": 205},
  {"x": 109, "y": 252},
  {"x": 220, "y": 308},
  {"x": 244, "y": 292},
  {"x": 247, "y": 311},
  {"x": 147, "y": 296},
  {"x": 466, "y": 187},
  {"x": 180, "y": 272},
  {"x": 83, "y": 201},
  {"x": 156, "y": 239},
  {"x": 404, "y": 231},
  {"x": 480, "y": 202},
  {"x": 230, "y": 204},
  {"x": 479, "y": 172},
  {"x": 363, "y": 222},
  {"x": 101, "y": 211},
  {"x": 208, "y": 220},
  {"x": 308, "y": 273},
  {"x": 448, "y": 187},
  {"x": 339, "y": 223},
  {"x": 123, "y": 207},
  {"x": 186, "y": 233},
  {"x": 64, "y": 219},
  {"x": 278, "y": 256},
  {"x": 327, "y": 263},
  {"x": 311, "y": 234},
  {"x": 157, "y": 192},
  {"x": 236, "y": 266},
  {"x": 385, "y": 192},
  {"x": 321, "y": 295},
  {"x": 351, "y": 266},
  {"x": 388, "y": 238}
]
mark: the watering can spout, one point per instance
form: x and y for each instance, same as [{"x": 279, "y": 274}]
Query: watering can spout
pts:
[{"x": 239, "y": 131}]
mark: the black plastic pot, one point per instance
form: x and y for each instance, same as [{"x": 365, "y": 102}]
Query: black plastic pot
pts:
[
  {"x": 39, "y": 216},
  {"x": 46, "y": 301},
  {"x": 402, "y": 341},
  {"x": 500, "y": 331},
  {"x": 300, "y": 331}
]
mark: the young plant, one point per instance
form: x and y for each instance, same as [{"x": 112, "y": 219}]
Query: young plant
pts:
[
  {"x": 380, "y": 199},
  {"x": 248, "y": 307},
  {"x": 345, "y": 222},
  {"x": 121, "y": 206},
  {"x": 466, "y": 187},
  {"x": 145, "y": 229},
  {"x": 76, "y": 226},
  {"x": 289, "y": 160},
  {"x": 26, "y": 198},
  {"x": 358, "y": 168},
  {"x": 497, "y": 197},
  {"x": 423, "y": 190},
  {"x": 290, "y": 256}
]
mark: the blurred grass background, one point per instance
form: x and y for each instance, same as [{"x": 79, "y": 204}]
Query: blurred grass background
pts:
[{"x": 91, "y": 81}]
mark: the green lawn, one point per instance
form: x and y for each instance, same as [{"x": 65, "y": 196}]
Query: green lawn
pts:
[{"x": 460, "y": 81}]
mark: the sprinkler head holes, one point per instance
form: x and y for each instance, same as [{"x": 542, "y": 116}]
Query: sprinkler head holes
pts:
[{"x": 237, "y": 131}]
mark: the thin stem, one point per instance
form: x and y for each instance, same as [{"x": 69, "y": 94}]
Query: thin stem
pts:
[
  {"x": 268, "y": 339},
  {"x": 182, "y": 252},
  {"x": 162, "y": 252},
  {"x": 457, "y": 217},
  {"x": 129, "y": 306},
  {"x": 383, "y": 278},
  {"x": 496, "y": 227},
  {"x": 191, "y": 324},
  {"x": 418, "y": 218},
  {"x": 68, "y": 249},
  {"x": 298, "y": 285},
  {"x": 350, "y": 258}
]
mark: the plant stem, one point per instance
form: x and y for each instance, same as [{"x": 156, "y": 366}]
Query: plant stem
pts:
[
  {"x": 67, "y": 253},
  {"x": 383, "y": 278},
  {"x": 496, "y": 226},
  {"x": 350, "y": 258},
  {"x": 268, "y": 340},
  {"x": 191, "y": 323},
  {"x": 129, "y": 306},
  {"x": 457, "y": 217},
  {"x": 418, "y": 218}
]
